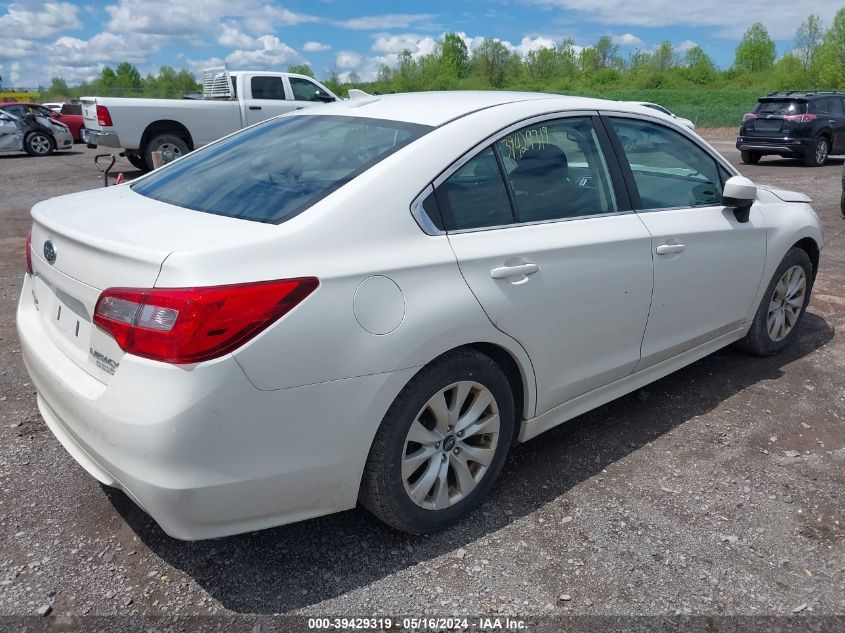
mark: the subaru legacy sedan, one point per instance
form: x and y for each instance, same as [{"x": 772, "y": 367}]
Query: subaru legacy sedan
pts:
[{"x": 371, "y": 302}]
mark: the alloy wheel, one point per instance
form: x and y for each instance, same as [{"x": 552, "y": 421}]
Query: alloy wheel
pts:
[
  {"x": 450, "y": 445},
  {"x": 786, "y": 303},
  {"x": 821, "y": 152},
  {"x": 40, "y": 144}
]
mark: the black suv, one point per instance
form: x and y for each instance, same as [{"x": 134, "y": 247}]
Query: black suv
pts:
[{"x": 808, "y": 125}]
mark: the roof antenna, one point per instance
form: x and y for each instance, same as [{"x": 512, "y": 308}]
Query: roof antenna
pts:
[{"x": 355, "y": 93}]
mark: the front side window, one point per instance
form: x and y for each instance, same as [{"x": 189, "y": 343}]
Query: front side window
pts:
[
  {"x": 669, "y": 169},
  {"x": 303, "y": 90},
  {"x": 277, "y": 169},
  {"x": 267, "y": 88},
  {"x": 556, "y": 170}
]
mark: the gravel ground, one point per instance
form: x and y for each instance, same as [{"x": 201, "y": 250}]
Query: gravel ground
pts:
[{"x": 717, "y": 490}]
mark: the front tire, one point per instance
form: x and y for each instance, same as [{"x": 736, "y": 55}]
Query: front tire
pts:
[
  {"x": 441, "y": 444},
  {"x": 818, "y": 155},
  {"x": 782, "y": 307},
  {"x": 750, "y": 158},
  {"x": 39, "y": 144}
]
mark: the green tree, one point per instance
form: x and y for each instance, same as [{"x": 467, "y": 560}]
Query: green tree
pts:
[
  {"x": 808, "y": 38},
  {"x": 698, "y": 67},
  {"x": 490, "y": 60},
  {"x": 454, "y": 55},
  {"x": 756, "y": 50},
  {"x": 59, "y": 88},
  {"x": 665, "y": 57},
  {"x": 128, "y": 78},
  {"x": 790, "y": 74},
  {"x": 301, "y": 69},
  {"x": 831, "y": 54}
]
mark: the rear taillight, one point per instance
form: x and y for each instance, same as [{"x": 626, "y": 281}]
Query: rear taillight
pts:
[
  {"x": 189, "y": 325},
  {"x": 103, "y": 116},
  {"x": 29, "y": 253},
  {"x": 800, "y": 118},
  {"x": 748, "y": 117}
]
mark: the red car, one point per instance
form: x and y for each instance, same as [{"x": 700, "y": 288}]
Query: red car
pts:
[{"x": 70, "y": 115}]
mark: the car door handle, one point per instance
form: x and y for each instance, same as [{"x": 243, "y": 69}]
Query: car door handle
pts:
[
  {"x": 254, "y": 107},
  {"x": 668, "y": 249},
  {"x": 503, "y": 272}
]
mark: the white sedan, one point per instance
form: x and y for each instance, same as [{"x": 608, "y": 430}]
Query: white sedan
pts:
[
  {"x": 660, "y": 108},
  {"x": 372, "y": 301}
]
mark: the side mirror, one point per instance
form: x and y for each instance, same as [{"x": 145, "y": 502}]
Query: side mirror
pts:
[
  {"x": 324, "y": 97},
  {"x": 739, "y": 193}
]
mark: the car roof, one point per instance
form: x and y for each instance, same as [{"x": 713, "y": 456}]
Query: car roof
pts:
[
  {"x": 801, "y": 94},
  {"x": 438, "y": 108}
]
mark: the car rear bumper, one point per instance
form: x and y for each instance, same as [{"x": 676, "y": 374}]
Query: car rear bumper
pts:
[
  {"x": 782, "y": 146},
  {"x": 199, "y": 448},
  {"x": 97, "y": 138}
]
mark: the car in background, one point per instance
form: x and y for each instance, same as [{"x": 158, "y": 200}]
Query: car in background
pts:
[
  {"x": 33, "y": 132},
  {"x": 660, "y": 108},
  {"x": 70, "y": 115},
  {"x": 374, "y": 299},
  {"x": 809, "y": 125},
  {"x": 54, "y": 106}
]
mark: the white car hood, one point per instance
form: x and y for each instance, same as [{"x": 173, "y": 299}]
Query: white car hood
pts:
[{"x": 785, "y": 194}]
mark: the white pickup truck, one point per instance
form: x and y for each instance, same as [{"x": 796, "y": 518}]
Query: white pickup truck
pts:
[{"x": 230, "y": 101}]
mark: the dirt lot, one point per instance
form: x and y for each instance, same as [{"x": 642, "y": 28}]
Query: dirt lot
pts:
[{"x": 717, "y": 490}]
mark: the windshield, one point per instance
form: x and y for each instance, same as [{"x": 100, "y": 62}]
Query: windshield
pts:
[
  {"x": 781, "y": 106},
  {"x": 276, "y": 170}
]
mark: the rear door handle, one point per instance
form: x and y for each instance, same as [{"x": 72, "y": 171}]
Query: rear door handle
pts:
[
  {"x": 254, "y": 107},
  {"x": 503, "y": 272},
  {"x": 668, "y": 249}
]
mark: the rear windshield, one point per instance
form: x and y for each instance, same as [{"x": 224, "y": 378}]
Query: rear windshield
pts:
[
  {"x": 275, "y": 170},
  {"x": 71, "y": 108},
  {"x": 781, "y": 106}
]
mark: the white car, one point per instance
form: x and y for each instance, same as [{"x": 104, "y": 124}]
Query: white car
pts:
[
  {"x": 660, "y": 108},
  {"x": 373, "y": 300},
  {"x": 174, "y": 127}
]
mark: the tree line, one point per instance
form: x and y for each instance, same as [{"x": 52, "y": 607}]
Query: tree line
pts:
[{"x": 816, "y": 61}]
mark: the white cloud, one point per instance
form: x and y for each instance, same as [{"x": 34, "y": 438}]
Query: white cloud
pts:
[
  {"x": 232, "y": 37},
  {"x": 387, "y": 21},
  {"x": 627, "y": 39},
  {"x": 47, "y": 20},
  {"x": 268, "y": 53},
  {"x": 348, "y": 60},
  {"x": 315, "y": 47},
  {"x": 103, "y": 48},
  {"x": 529, "y": 44},
  {"x": 730, "y": 19},
  {"x": 684, "y": 46},
  {"x": 417, "y": 44}
]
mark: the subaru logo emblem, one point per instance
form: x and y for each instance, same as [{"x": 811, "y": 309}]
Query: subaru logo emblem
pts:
[{"x": 50, "y": 252}]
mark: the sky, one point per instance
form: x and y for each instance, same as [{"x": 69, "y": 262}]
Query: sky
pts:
[{"x": 74, "y": 39}]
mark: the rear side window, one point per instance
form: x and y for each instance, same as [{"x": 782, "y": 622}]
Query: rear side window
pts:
[
  {"x": 781, "y": 107},
  {"x": 277, "y": 169},
  {"x": 669, "y": 169},
  {"x": 72, "y": 108},
  {"x": 833, "y": 105},
  {"x": 267, "y": 88},
  {"x": 475, "y": 196}
]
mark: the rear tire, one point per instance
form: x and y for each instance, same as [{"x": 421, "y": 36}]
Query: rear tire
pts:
[
  {"x": 137, "y": 162},
  {"x": 750, "y": 158},
  {"x": 818, "y": 155},
  {"x": 782, "y": 307},
  {"x": 427, "y": 485},
  {"x": 170, "y": 146},
  {"x": 39, "y": 144}
]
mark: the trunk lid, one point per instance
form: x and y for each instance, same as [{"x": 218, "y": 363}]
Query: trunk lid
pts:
[{"x": 90, "y": 241}]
